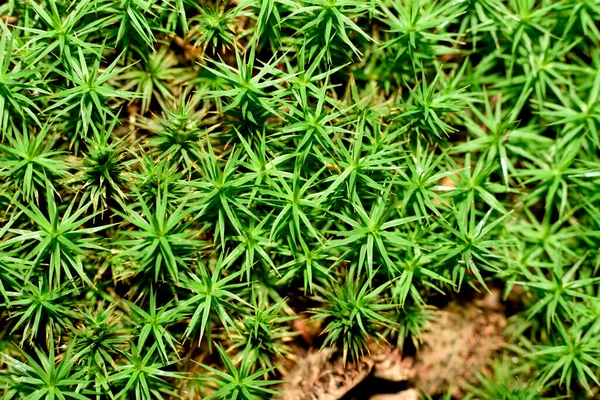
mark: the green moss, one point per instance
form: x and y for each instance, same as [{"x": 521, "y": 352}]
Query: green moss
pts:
[{"x": 181, "y": 176}]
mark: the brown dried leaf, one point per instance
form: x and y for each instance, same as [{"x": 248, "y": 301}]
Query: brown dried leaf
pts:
[
  {"x": 317, "y": 377},
  {"x": 322, "y": 376}
]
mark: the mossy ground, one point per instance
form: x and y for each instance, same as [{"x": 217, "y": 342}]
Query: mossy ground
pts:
[{"x": 184, "y": 182}]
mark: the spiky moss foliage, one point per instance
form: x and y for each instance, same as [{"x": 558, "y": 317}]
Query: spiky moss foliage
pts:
[{"x": 179, "y": 179}]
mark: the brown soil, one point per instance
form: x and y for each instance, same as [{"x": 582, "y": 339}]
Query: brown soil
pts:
[{"x": 461, "y": 340}]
